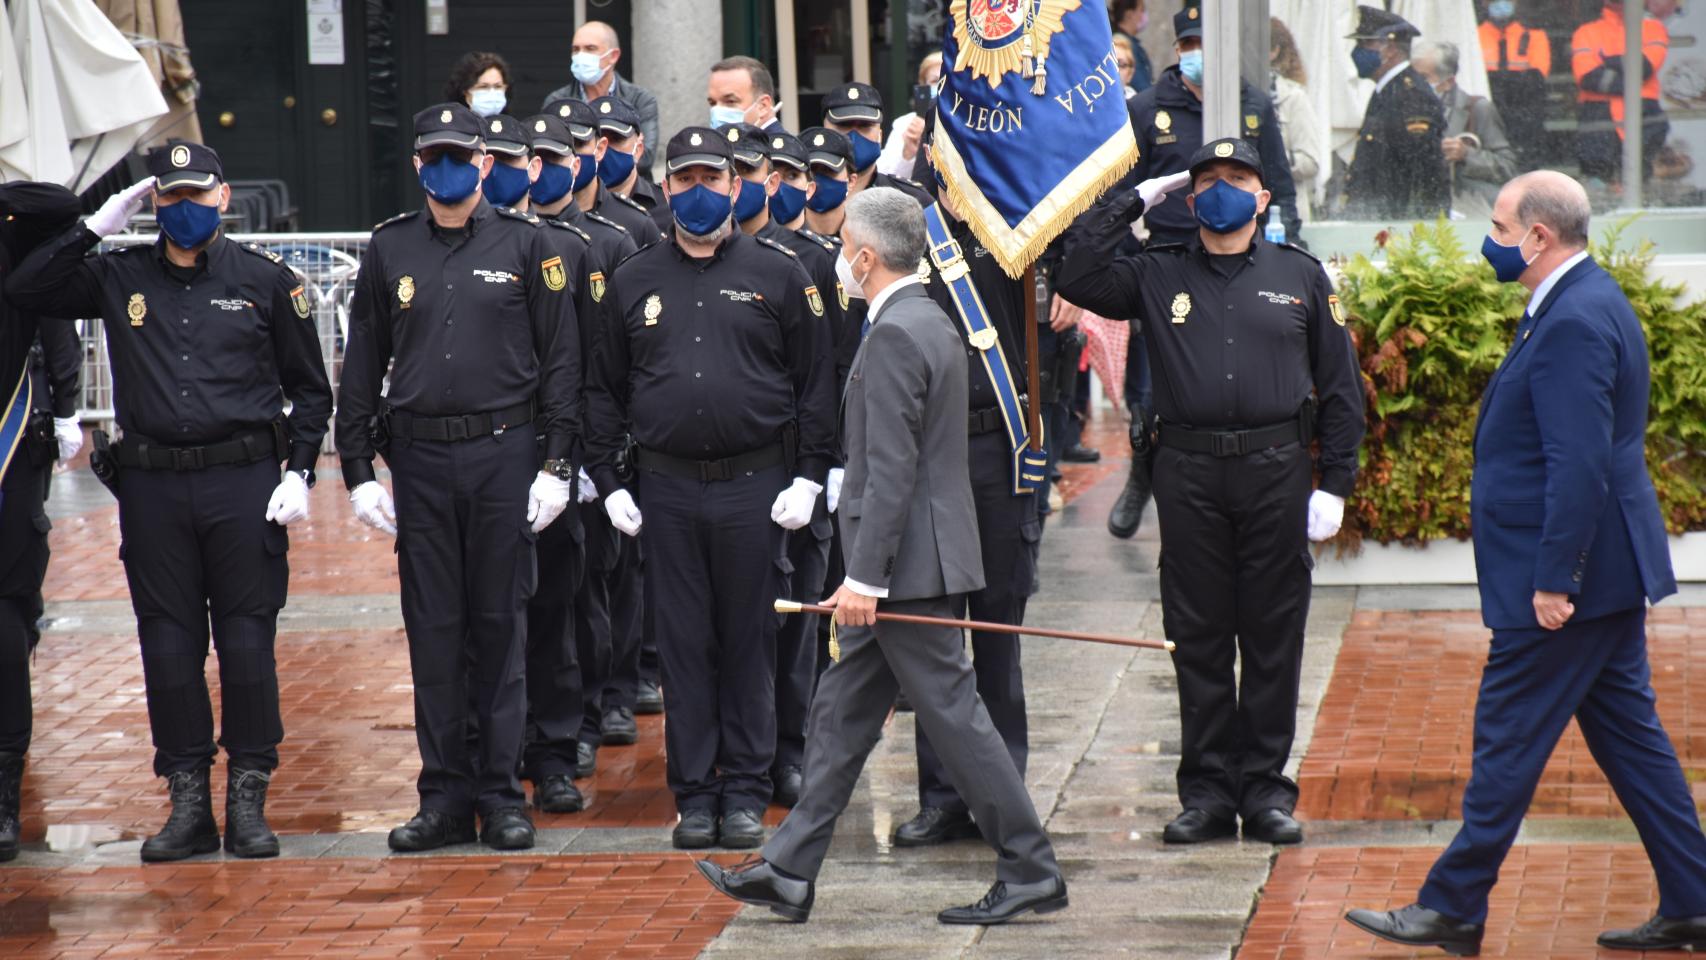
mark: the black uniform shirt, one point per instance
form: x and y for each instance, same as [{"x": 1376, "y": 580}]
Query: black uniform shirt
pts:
[
  {"x": 30, "y": 214},
  {"x": 1398, "y": 170},
  {"x": 630, "y": 215},
  {"x": 1228, "y": 352},
  {"x": 198, "y": 354},
  {"x": 56, "y": 368},
  {"x": 1003, "y": 304},
  {"x": 477, "y": 320},
  {"x": 711, "y": 358},
  {"x": 650, "y": 196},
  {"x": 611, "y": 242}
]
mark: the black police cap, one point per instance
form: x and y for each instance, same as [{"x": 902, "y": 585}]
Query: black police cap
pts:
[
  {"x": 1234, "y": 149},
  {"x": 578, "y": 115},
  {"x": 185, "y": 164},
  {"x": 698, "y": 147},
  {"x": 506, "y": 135},
  {"x": 1187, "y": 22},
  {"x": 616, "y": 117},
  {"x": 853, "y": 103},
  {"x": 784, "y": 147},
  {"x": 827, "y": 147},
  {"x": 746, "y": 143},
  {"x": 548, "y": 132},
  {"x": 1374, "y": 23},
  {"x": 447, "y": 125}
]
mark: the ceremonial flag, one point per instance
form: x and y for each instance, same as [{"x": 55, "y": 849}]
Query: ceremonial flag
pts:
[{"x": 1031, "y": 124}]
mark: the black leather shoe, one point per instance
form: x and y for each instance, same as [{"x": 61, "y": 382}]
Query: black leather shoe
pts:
[
  {"x": 1273, "y": 825},
  {"x": 648, "y": 698},
  {"x": 586, "y": 760},
  {"x": 790, "y": 780},
  {"x": 1197, "y": 825},
  {"x": 1079, "y": 453},
  {"x": 618, "y": 726},
  {"x": 1004, "y": 901},
  {"x": 1417, "y": 926},
  {"x": 757, "y": 882},
  {"x": 246, "y": 831},
  {"x": 1659, "y": 933},
  {"x": 189, "y": 828},
  {"x": 557, "y": 793},
  {"x": 740, "y": 830},
  {"x": 934, "y": 825},
  {"x": 1127, "y": 514},
  {"x": 507, "y": 828},
  {"x": 696, "y": 831},
  {"x": 429, "y": 830},
  {"x": 11, "y": 799}
]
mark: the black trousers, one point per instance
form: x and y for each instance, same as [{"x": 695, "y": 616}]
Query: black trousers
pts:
[
  {"x": 633, "y": 649},
  {"x": 199, "y": 552},
  {"x": 714, "y": 563},
  {"x": 796, "y": 636},
  {"x": 23, "y": 566},
  {"x": 1235, "y": 574},
  {"x": 466, "y": 558},
  {"x": 1008, "y": 530},
  {"x": 555, "y": 692},
  {"x": 593, "y": 617}
]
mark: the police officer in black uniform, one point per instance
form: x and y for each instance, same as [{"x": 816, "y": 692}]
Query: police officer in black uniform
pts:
[
  {"x": 589, "y": 191},
  {"x": 1398, "y": 170},
  {"x": 208, "y": 340},
  {"x": 30, "y": 213},
  {"x": 1252, "y": 363},
  {"x": 469, "y": 305},
  {"x": 715, "y": 359},
  {"x": 855, "y": 110},
  {"x": 625, "y": 183}
]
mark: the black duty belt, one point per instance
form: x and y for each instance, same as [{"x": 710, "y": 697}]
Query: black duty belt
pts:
[
  {"x": 1230, "y": 443},
  {"x": 989, "y": 420},
  {"x": 739, "y": 465},
  {"x": 468, "y": 427},
  {"x": 140, "y": 453}
]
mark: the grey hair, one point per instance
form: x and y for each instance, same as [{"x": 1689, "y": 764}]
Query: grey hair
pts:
[
  {"x": 891, "y": 223},
  {"x": 1443, "y": 53},
  {"x": 1556, "y": 200}
]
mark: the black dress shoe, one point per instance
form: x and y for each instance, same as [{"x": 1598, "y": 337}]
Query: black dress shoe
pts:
[
  {"x": 619, "y": 728},
  {"x": 1417, "y": 926},
  {"x": 1004, "y": 901},
  {"x": 790, "y": 780},
  {"x": 507, "y": 828},
  {"x": 934, "y": 825},
  {"x": 648, "y": 698},
  {"x": 189, "y": 828},
  {"x": 429, "y": 830},
  {"x": 557, "y": 793},
  {"x": 1659, "y": 933},
  {"x": 1197, "y": 825},
  {"x": 1079, "y": 453},
  {"x": 1273, "y": 825},
  {"x": 740, "y": 830},
  {"x": 586, "y": 760},
  {"x": 696, "y": 831},
  {"x": 11, "y": 794},
  {"x": 1127, "y": 514},
  {"x": 757, "y": 882}
]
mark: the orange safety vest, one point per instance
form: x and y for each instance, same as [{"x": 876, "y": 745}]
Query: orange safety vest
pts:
[
  {"x": 1598, "y": 39},
  {"x": 1525, "y": 48}
]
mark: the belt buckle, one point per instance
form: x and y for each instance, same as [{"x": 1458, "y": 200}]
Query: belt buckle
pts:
[
  {"x": 1229, "y": 444},
  {"x": 456, "y": 428},
  {"x": 710, "y": 470},
  {"x": 187, "y": 458}
]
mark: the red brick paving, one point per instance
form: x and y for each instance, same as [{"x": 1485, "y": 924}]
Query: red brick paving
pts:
[{"x": 1550, "y": 904}]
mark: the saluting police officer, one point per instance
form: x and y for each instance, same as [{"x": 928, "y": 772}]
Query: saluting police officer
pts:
[
  {"x": 1251, "y": 363},
  {"x": 208, "y": 340},
  {"x": 628, "y": 191},
  {"x": 715, "y": 359},
  {"x": 1398, "y": 170},
  {"x": 469, "y": 305},
  {"x": 855, "y": 110}
]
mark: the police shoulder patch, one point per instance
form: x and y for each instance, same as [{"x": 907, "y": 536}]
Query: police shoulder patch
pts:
[
  {"x": 552, "y": 270},
  {"x": 814, "y": 300},
  {"x": 399, "y": 218},
  {"x": 299, "y": 301}
]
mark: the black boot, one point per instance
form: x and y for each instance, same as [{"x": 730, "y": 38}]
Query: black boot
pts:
[
  {"x": 190, "y": 829},
  {"x": 246, "y": 831},
  {"x": 1127, "y": 513},
  {"x": 11, "y": 792}
]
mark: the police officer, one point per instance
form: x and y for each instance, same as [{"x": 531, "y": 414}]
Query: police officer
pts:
[
  {"x": 1251, "y": 362},
  {"x": 468, "y": 304},
  {"x": 714, "y": 359},
  {"x": 829, "y": 160},
  {"x": 855, "y": 110},
  {"x": 208, "y": 340},
  {"x": 589, "y": 190},
  {"x": 619, "y": 169},
  {"x": 30, "y": 213},
  {"x": 1398, "y": 170}
]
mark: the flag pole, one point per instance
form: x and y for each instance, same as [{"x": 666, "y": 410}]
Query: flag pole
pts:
[
  {"x": 1033, "y": 415},
  {"x": 797, "y": 607}
]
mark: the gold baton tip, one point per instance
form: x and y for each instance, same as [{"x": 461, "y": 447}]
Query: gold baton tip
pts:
[
  {"x": 788, "y": 606},
  {"x": 1169, "y": 644}
]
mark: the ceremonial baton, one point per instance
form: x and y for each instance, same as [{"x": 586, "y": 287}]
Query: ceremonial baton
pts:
[{"x": 794, "y": 606}]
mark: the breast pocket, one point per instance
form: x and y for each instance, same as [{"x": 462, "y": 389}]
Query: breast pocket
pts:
[
  {"x": 235, "y": 326},
  {"x": 497, "y": 297}
]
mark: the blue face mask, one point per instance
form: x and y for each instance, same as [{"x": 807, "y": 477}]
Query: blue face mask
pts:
[
  {"x": 722, "y": 116},
  {"x": 1223, "y": 208},
  {"x": 1507, "y": 261},
  {"x": 1367, "y": 61},
  {"x": 586, "y": 66},
  {"x": 865, "y": 151},
  {"x": 1190, "y": 65},
  {"x": 1501, "y": 10},
  {"x": 830, "y": 193},
  {"x": 615, "y": 167},
  {"x": 187, "y": 223},
  {"x": 750, "y": 203},
  {"x": 588, "y": 170},
  {"x": 449, "y": 180},
  {"x": 788, "y": 203},
  {"x": 505, "y": 185},
  {"x": 554, "y": 181},
  {"x": 700, "y": 210}
]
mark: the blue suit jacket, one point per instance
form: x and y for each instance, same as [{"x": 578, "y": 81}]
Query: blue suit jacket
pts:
[{"x": 1561, "y": 500}]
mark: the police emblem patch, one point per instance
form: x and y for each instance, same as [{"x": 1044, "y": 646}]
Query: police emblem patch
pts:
[
  {"x": 734, "y": 134},
  {"x": 538, "y": 126},
  {"x": 604, "y": 107},
  {"x": 1338, "y": 311},
  {"x": 841, "y": 294},
  {"x": 564, "y": 111},
  {"x": 777, "y": 144},
  {"x": 999, "y": 37},
  {"x": 136, "y": 309},
  {"x": 1181, "y": 307},
  {"x": 694, "y": 140},
  {"x": 597, "y": 281},
  {"x": 299, "y": 300},
  {"x": 924, "y": 269},
  {"x": 553, "y": 271},
  {"x": 1163, "y": 121},
  {"x": 814, "y": 300},
  {"x": 654, "y": 309},
  {"x": 444, "y": 117},
  {"x": 1251, "y": 121},
  {"x": 1223, "y": 150},
  {"x": 817, "y": 141},
  {"x": 405, "y": 291},
  {"x": 180, "y": 156}
]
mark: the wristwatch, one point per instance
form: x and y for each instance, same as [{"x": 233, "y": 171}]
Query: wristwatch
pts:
[
  {"x": 561, "y": 469},
  {"x": 307, "y": 477}
]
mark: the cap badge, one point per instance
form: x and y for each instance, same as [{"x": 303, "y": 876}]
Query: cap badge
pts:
[
  {"x": 695, "y": 140},
  {"x": 654, "y": 309},
  {"x": 538, "y": 126},
  {"x": 1223, "y": 150},
  {"x": 180, "y": 156},
  {"x": 852, "y": 93},
  {"x": 1181, "y": 307},
  {"x": 1192, "y": 15},
  {"x": 777, "y": 144},
  {"x": 563, "y": 110},
  {"x": 137, "y": 308},
  {"x": 444, "y": 117},
  {"x": 734, "y": 135},
  {"x": 604, "y": 107},
  {"x": 497, "y": 126},
  {"x": 817, "y": 141}
]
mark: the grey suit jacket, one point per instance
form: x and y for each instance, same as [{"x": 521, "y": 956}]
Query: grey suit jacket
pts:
[{"x": 908, "y": 521}]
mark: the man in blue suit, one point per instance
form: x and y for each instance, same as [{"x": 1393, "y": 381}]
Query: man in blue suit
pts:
[{"x": 1570, "y": 547}]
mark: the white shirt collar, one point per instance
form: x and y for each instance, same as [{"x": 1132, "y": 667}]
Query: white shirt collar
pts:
[
  {"x": 1551, "y": 281},
  {"x": 1380, "y": 84},
  {"x": 876, "y": 306}
]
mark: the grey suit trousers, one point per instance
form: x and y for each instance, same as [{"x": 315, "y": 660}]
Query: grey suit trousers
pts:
[{"x": 930, "y": 665}]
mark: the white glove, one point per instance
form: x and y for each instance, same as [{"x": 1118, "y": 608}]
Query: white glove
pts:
[
  {"x": 119, "y": 208},
  {"x": 69, "y": 432},
  {"x": 289, "y": 501},
  {"x": 832, "y": 488},
  {"x": 373, "y": 507},
  {"x": 546, "y": 500},
  {"x": 1326, "y": 513},
  {"x": 1155, "y": 189},
  {"x": 624, "y": 514},
  {"x": 793, "y": 506},
  {"x": 586, "y": 493}
]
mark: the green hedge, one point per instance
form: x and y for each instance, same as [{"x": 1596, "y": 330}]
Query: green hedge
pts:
[{"x": 1431, "y": 325}]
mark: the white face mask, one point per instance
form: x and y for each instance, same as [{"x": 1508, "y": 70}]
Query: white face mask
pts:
[
  {"x": 587, "y": 67},
  {"x": 487, "y": 103},
  {"x": 851, "y": 285}
]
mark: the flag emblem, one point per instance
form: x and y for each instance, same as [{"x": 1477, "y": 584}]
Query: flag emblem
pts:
[{"x": 999, "y": 37}]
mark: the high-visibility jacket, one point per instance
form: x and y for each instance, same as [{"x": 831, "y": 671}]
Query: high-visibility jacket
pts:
[
  {"x": 1523, "y": 48},
  {"x": 1598, "y": 39}
]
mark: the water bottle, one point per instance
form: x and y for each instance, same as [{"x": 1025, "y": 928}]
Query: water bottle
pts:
[{"x": 1274, "y": 232}]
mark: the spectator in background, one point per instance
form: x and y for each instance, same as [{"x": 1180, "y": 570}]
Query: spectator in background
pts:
[
  {"x": 900, "y": 150},
  {"x": 1598, "y": 63},
  {"x": 1398, "y": 171},
  {"x": 1125, "y": 60},
  {"x": 741, "y": 90},
  {"x": 597, "y": 50},
  {"x": 1478, "y": 155},
  {"x": 1299, "y": 127},
  {"x": 481, "y": 81},
  {"x": 1128, "y": 18},
  {"x": 1518, "y": 58}
]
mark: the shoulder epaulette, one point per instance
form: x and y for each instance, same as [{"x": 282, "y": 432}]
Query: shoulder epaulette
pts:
[
  {"x": 569, "y": 226},
  {"x": 766, "y": 241},
  {"x": 1166, "y": 248},
  {"x": 515, "y": 214},
  {"x": 606, "y": 221},
  {"x": 261, "y": 251},
  {"x": 817, "y": 238},
  {"x": 1292, "y": 246},
  {"x": 399, "y": 218},
  {"x": 630, "y": 201}
]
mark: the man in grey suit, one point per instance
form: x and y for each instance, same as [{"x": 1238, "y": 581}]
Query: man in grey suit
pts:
[{"x": 909, "y": 535}]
